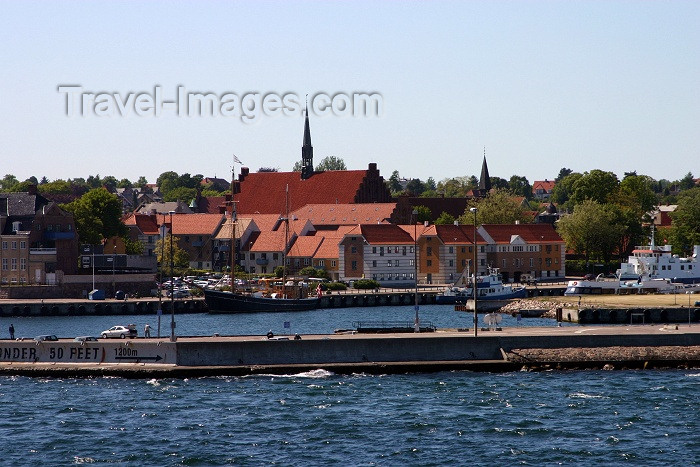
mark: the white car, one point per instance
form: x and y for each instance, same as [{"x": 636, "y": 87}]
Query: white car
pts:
[{"x": 121, "y": 332}]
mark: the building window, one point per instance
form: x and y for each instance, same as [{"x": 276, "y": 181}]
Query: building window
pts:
[
  {"x": 252, "y": 256},
  {"x": 4, "y": 264},
  {"x": 381, "y": 276},
  {"x": 275, "y": 256},
  {"x": 353, "y": 265},
  {"x": 396, "y": 249},
  {"x": 464, "y": 263},
  {"x": 14, "y": 245},
  {"x": 22, "y": 264},
  {"x": 388, "y": 263},
  {"x": 381, "y": 251},
  {"x": 429, "y": 251},
  {"x": 374, "y": 276},
  {"x": 320, "y": 262},
  {"x": 532, "y": 262},
  {"x": 14, "y": 264},
  {"x": 307, "y": 261},
  {"x": 353, "y": 249},
  {"x": 4, "y": 245},
  {"x": 332, "y": 263},
  {"x": 452, "y": 263},
  {"x": 451, "y": 249},
  {"x": 396, "y": 263},
  {"x": 504, "y": 265},
  {"x": 429, "y": 262},
  {"x": 403, "y": 251},
  {"x": 374, "y": 263},
  {"x": 287, "y": 261},
  {"x": 374, "y": 250},
  {"x": 411, "y": 262},
  {"x": 22, "y": 245}
]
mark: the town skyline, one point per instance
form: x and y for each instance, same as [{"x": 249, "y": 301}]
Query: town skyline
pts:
[{"x": 539, "y": 85}]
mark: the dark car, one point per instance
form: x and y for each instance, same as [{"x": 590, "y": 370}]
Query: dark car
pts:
[{"x": 47, "y": 337}]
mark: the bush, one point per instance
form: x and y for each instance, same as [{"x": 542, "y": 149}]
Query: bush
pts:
[
  {"x": 366, "y": 284},
  {"x": 333, "y": 286}
]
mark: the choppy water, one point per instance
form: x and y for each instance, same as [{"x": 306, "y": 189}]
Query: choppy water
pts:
[{"x": 318, "y": 418}]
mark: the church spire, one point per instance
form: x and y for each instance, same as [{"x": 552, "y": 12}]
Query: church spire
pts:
[
  {"x": 307, "y": 151},
  {"x": 484, "y": 180}
]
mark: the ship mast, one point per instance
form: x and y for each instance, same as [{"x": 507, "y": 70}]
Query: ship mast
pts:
[{"x": 286, "y": 241}]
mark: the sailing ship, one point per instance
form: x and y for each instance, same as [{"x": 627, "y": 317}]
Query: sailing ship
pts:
[{"x": 287, "y": 296}]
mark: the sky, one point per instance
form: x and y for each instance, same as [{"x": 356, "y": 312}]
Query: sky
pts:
[{"x": 535, "y": 85}]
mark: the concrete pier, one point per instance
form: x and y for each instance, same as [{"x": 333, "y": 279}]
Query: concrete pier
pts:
[{"x": 507, "y": 350}]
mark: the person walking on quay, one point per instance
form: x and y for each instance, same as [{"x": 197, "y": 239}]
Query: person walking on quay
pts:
[
  {"x": 147, "y": 331},
  {"x": 12, "y": 332}
]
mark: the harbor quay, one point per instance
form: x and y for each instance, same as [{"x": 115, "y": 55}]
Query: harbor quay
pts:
[
  {"x": 150, "y": 305},
  {"x": 601, "y": 347}
]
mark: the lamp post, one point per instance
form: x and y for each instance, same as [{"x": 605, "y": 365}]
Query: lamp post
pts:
[
  {"x": 162, "y": 230},
  {"x": 689, "y": 310},
  {"x": 416, "y": 321},
  {"x": 172, "y": 281},
  {"x": 476, "y": 319},
  {"x": 114, "y": 283}
]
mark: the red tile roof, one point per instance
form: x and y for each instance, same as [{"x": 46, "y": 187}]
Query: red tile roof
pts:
[
  {"x": 194, "y": 224},
  {"x": 378, "y": 234},
  {"x": 268, "y": 241},
  {"x": 457, "y": 234},
  {"x": 305, "y": 247},
  {"x": 346, "y": 214},
  {"x": 329, "y": 248},
  {"x": 531, "y": 233},
  {"x": 146, "y": 223},
  {"x": 264, "y": 192},
  {"x": 546, "y": 185}
]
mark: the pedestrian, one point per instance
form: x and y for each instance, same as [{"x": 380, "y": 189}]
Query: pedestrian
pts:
[
  {"x": 147, "y": 331},
  {"x": 12, "y": 332}
]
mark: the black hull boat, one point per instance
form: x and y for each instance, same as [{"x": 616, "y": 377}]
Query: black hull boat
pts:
[{"x": 229, "y": 302}]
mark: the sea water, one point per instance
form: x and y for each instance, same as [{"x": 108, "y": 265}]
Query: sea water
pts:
[{"x": 319, "y": 418}]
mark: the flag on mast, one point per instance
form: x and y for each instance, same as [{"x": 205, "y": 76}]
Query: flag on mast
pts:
[{"x": 237, "y": 160}]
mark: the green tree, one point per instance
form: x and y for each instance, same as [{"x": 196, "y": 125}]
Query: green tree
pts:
[
  {"x": 141, "y": 182},
  {"x": 520, "y": 186},
  {"x": 8, "y": 182},
  {"x": 415, "y": 187},
  {"x": 563, "y": 172},
  {"x": 125, "y": 183},
  {"x": 56, "y": 187},
  {"x": 180, "y": 194},
  {"x": 445, "y": 219},
  {"x": 498, "y": 208},
  {"x": 596, "y": 185},
  {"x": 591, "y": 230},
  {"x": 457, "y": 187},
  {"x": 563, "y": 189},
  {"x": 181, "y": 259},
  {"x": 634, "y": 200},
  {"x": 297, "y": 168},
  {"x": 394, "y": 182},
  {"x": 498, "y": 183},
  {"x": 687, "y": 182},
  {"x": 97, "y": 216},
  {"x": 686, "y": 221},
  {"x": 423, "y": 214},
  {"x": 331, "y": 163}
]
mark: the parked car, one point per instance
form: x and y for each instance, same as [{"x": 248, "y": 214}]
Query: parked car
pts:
[
  {"x": 121, "y": 332},
  {"x": 48, "y": 337},
  {"x": 85, "y": 339}
]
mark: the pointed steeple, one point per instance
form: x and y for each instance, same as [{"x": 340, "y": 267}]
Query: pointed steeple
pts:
[
  {"x": 307, "y": 151},
  {"x": 484, "y": 180}
]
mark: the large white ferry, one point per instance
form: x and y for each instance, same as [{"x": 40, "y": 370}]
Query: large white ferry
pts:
[{"x": 651, "y": 268}]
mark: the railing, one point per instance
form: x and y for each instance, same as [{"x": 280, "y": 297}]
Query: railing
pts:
[
  {"x": 391, "y": 326},
  {"x": 42, "y": 251}
]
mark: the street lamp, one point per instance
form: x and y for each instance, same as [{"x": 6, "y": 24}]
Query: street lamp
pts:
[
  {"x": 161, "y": 232},
  {"x": 114, "y": 283},
  {"x": 476, "y": 319},
  {"x": 172, "y": 281},
  {"x": 414, "y": 216}
]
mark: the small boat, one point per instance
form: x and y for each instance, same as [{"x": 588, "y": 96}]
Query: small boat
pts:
[
  {"x": 492, "y": 294},
  {"x": 453, "y": 295}
]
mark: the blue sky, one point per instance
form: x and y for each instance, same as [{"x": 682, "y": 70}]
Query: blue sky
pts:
[{"x": 540, "y": 84}]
